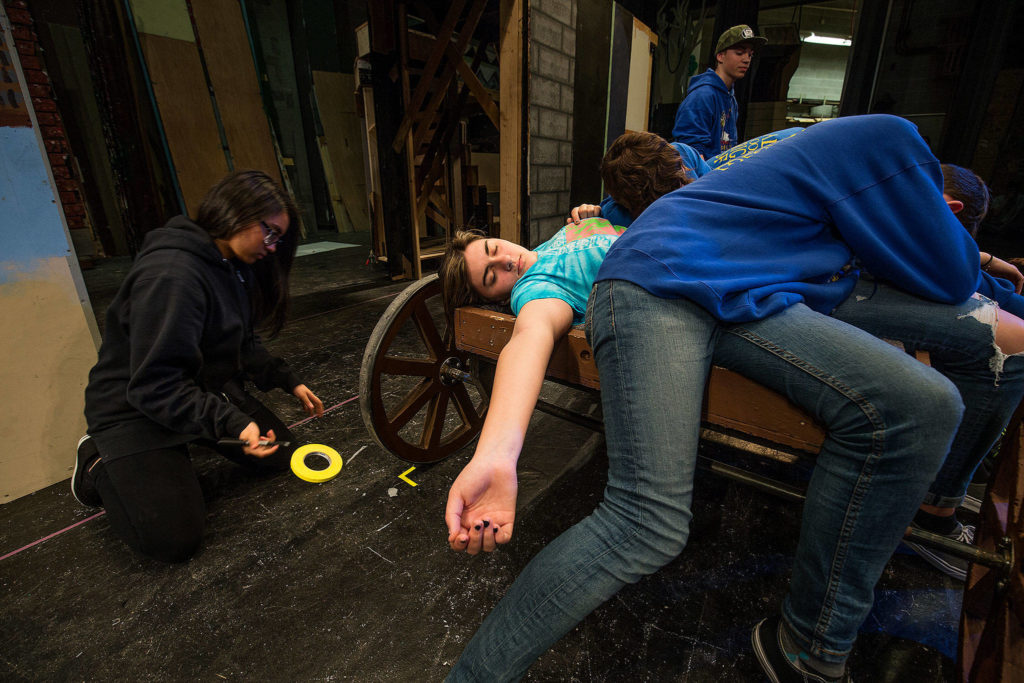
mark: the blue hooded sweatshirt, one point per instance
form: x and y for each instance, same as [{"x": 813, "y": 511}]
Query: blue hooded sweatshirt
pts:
[
  {"x": 706, "y": 118},
  {"x": 997, "y": 289},
  {"x": 785, "y": 225}
]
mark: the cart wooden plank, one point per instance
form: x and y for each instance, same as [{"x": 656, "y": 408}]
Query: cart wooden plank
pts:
[{"x": 731, "y": 401}]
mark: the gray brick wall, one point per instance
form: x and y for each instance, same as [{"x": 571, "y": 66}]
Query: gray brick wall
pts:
[
  {"x": 821, "y": 72},
  {"x": 552, "y": 74}
]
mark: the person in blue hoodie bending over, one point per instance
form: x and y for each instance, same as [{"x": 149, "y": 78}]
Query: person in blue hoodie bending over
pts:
[
  {"x": 743, "y": 268},
  {"x": 706, "y": 118},
  {"x": 966, "y": 343}
]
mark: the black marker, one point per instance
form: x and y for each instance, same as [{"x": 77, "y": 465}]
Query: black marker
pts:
[{"x": 240, "y": 442}]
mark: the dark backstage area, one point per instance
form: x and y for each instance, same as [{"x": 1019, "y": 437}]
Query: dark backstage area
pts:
[{"x": 497, "y": 340}]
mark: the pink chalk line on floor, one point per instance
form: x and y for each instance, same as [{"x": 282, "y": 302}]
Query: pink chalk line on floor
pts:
[
  {"x": 55, "y": 533},
  {"x": 103, "y": 512}
]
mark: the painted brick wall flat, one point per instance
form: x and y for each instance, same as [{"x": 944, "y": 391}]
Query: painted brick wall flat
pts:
[
  {"x": 563, "y": 11},
  {"x": 543, "y": 151},
  {"x": 51, "y": 126},
  {"x": 552, "y": 74}
]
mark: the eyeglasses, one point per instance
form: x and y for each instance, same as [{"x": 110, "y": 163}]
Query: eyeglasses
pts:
[{"x": 271, "y": 236}]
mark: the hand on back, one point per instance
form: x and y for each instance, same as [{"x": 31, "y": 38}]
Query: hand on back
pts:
[{"x": 582, "y": 212}]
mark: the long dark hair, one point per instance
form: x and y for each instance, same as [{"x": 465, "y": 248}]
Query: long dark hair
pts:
[
  {"x": 454, "y": 274},
  {"x": 240, "y": 199}
]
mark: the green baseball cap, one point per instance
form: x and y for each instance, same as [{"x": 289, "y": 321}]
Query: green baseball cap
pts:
[{"x": 739, "y": 34}]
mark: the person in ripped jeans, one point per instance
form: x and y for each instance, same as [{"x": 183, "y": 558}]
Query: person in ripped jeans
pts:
[{"x": 741, "y": 268}]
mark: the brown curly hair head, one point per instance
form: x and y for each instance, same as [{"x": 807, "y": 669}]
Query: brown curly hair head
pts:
[
  {"x": 639, "y": 167},
  {"x": 454, "y": 274},
  {"x": 965, "y": 186}
]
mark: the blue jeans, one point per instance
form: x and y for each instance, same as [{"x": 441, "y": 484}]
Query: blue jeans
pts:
[
  {"x": 961, "y": 342},
  {"x": 890, "y": 418}
]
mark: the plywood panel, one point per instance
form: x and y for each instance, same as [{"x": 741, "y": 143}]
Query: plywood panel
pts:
[
  {"x": 166, "y": 18},
  {"x": 510, "y": 64},
  {"x": 225, "y": 45},
  {"x": 49, "y": 352},
  {"x": 641, "y": 60},
  {"x": 187, "y": 115},
  {"x": 343, "y": 134},
  {"x": 51, "y": 337},
  {"x": 488, "y": 169}
]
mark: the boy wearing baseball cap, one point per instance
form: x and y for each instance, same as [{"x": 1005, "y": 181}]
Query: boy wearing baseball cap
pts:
[{"x": 706, "y": 118}]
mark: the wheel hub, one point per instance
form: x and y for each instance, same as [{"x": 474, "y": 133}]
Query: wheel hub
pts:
[{"x": 451, "y": 371}]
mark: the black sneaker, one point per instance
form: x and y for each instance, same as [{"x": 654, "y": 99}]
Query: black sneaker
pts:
[
  {"x": 82, "y": 486},
  {"x": 766, "y": 638},
  {"x": 953, "y": 566}
]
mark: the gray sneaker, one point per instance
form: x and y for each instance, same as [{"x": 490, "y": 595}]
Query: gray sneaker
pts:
[
  {"x": 972, "y": 501},
  {"x": 971, "y": 504},
  {"x": 953, "y": 566}
]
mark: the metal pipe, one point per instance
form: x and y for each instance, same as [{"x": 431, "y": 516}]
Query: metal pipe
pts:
[
  {"x": 766, "y": 484},
  {"x": 1001, "y": 560},
  {"x": 576, "y": 418}
]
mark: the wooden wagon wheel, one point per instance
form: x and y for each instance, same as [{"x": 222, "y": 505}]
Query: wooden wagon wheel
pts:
[
  {"x": 992, "y": 617},
  {"x": 433, "y": 379}
]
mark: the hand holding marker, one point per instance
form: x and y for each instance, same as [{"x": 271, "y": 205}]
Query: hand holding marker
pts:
[
  {"x": 326, "y": 462},
  {"x": 243, "y": 442}
]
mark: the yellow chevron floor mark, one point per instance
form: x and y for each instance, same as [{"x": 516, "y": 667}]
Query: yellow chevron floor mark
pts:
[{"x": 407, "y": 480}]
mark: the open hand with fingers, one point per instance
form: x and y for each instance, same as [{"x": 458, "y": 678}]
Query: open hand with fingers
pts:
[
  {"x": 481, "y": 506},
  {"x": 310, "y": 403}
]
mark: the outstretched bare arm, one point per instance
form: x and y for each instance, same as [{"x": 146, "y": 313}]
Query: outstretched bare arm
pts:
[{"x": 482, "y": 501}]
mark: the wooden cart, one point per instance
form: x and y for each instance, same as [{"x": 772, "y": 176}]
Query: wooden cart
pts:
[{"x": 447, "y": 382}]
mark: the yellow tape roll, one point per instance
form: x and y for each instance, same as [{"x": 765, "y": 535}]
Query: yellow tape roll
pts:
[{"x": 304, "y": 472}]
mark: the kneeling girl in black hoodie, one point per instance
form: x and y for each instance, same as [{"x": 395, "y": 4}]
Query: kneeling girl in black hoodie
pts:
[{"x": 178, "y": 346}]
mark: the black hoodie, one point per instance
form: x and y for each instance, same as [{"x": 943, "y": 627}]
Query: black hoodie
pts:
[{"x": 179, "y": 336}]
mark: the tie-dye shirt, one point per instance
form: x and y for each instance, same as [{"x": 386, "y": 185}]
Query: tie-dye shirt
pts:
[{"x": 567, "y": 265}]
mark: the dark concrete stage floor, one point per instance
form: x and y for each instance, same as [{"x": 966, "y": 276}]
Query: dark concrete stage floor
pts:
[{"x": 344, "y": 581}]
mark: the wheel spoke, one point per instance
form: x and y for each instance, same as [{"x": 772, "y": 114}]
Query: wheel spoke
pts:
[
  {"x": 433, "y": 423},
  {"x": 428, "y": 330},
  {"x": 416, "y": 367},
  {"x": 412, "y": 403},
  {"x": 464, "y": 406}
]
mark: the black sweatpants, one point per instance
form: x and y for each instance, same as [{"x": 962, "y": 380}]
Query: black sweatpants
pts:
[{"x": 153, "y": 499}]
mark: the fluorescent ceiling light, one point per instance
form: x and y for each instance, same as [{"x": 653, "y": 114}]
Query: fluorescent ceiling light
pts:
[{"x": 827, "y": 40}]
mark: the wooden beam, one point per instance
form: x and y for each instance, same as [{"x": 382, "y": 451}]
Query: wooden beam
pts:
[
  {"x": 468, "y": 73},
  {"x": 412, "y": 269},
  {"x": 476, "y": 87},
  {"x": 512, "y": 147},
  {"x": 443, "y": 39},
  {"x": 437, "y": 152},
  {"x": 454, "y": 58}
]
